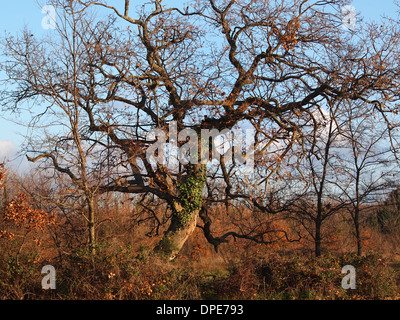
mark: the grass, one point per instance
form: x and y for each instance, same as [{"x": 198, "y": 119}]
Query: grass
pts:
[
  {"x": 124, "y": 275},
  {"x": 125, "y": 267}
]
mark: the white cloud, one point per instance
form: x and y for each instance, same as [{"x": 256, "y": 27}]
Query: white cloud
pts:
[{"x": 7, "y": 150}]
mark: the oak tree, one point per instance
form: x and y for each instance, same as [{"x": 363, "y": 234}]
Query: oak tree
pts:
[{"x": 214, "y": 64}]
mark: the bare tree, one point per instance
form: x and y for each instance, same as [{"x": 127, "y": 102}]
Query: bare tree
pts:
[
  {"x": 315, "y": 197},
  {"x": 62, "y": 139},
  {"x": 367, "y": 164},
  {"x": 213, "y": 65}
]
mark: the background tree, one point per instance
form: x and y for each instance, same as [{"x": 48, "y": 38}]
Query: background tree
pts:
[
  {"x": 388, "y": 216},
  {"x": 62, "y": 139},
  {"x": 366, "y": 166},
  {"x": 315, "y": 198}
]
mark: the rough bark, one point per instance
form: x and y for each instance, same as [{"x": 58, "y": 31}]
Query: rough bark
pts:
[
  {"x": 176, "y": 236},
  {"x": 185, "y": 211}
]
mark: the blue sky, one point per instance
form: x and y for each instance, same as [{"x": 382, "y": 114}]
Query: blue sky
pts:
[{"x": 19, "y": 13}]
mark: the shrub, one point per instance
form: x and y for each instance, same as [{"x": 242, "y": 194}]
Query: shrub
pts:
[{"x": 297, "y": 277}]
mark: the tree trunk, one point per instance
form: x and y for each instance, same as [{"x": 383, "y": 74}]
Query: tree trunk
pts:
[
  {"x": 357, "y": 214},
  {"x": 176, "y": 236},
  {"x": 318, "y": 223},
  {"x": 91, "y": 225},
  {"x": 358, "y": 232},
  {"x": 317, "y": 238},
  {"x": 185, "y": 211}
]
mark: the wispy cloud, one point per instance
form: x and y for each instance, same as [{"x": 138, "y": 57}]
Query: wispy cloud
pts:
[{"x": 7, "y": 150}]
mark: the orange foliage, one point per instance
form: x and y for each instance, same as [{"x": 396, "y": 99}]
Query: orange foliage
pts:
[
  {"x": 19, "y": 212},
  {"x": 22, "y": 215},
  {"x": 6, "y": 235},
  {"x": 288, "y": 39}
]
